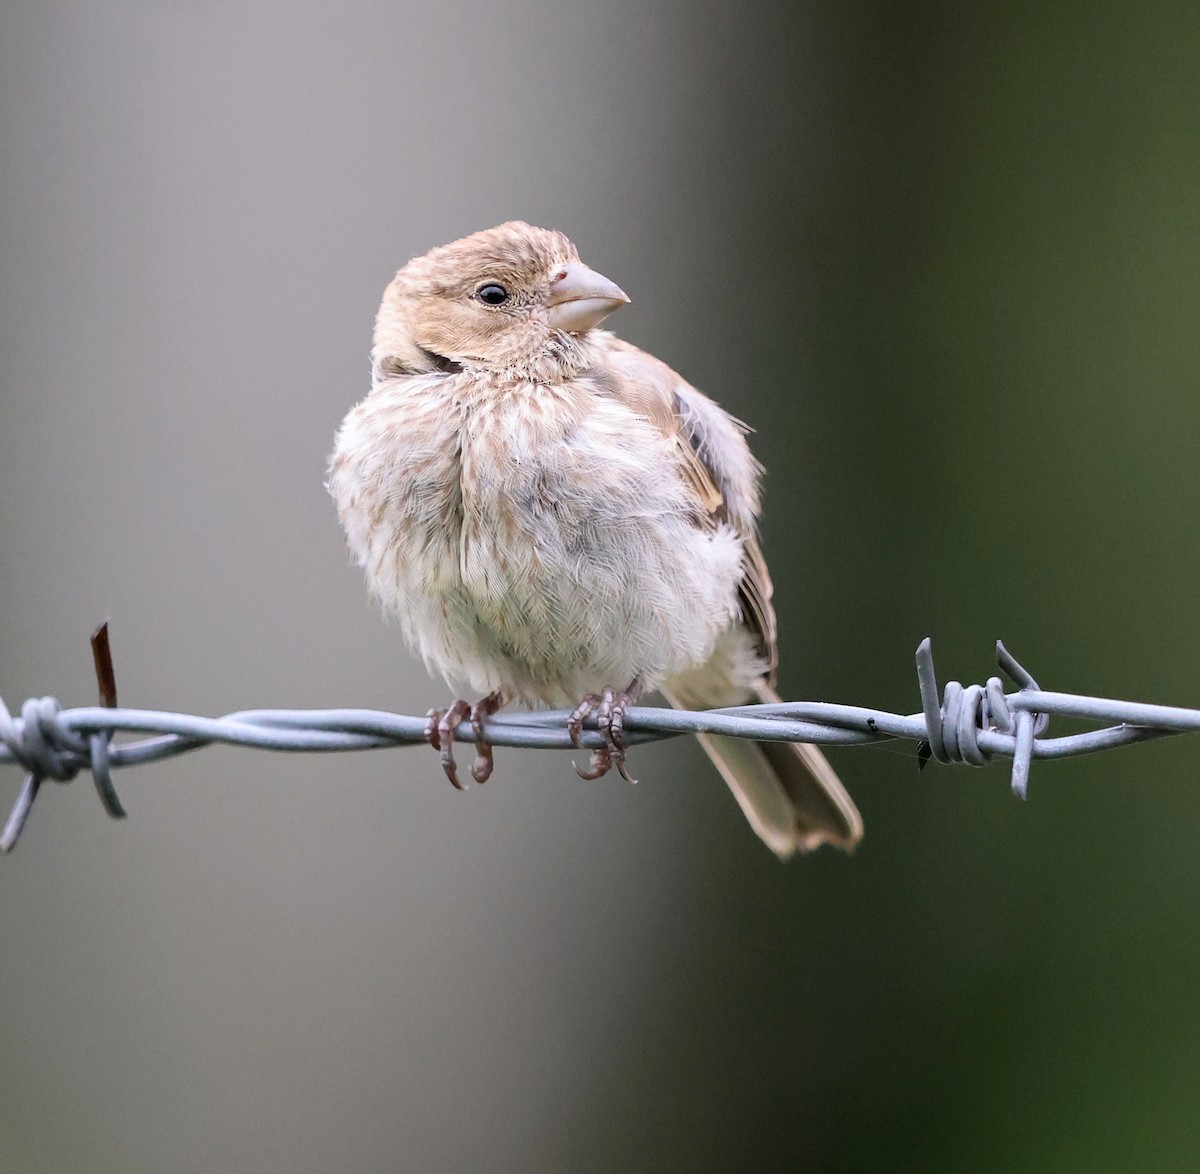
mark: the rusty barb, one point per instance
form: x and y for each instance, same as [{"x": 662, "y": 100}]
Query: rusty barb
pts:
[{"x": 976, "y": 725}]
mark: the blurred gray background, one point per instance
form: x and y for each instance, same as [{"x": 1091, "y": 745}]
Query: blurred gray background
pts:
[{"x": 945, "y": 259}]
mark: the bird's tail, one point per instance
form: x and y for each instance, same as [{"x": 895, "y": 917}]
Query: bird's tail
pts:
[{"x": 788, "y": 791}]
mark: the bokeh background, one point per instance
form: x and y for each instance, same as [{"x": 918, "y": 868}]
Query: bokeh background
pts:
[{"x": 944, "y": 258}]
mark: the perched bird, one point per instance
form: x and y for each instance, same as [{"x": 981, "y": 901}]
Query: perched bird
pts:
[{"x": 555, "y": 516}]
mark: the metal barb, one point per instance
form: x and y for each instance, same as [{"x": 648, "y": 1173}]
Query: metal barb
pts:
[
  {"x": 106, "y": 683},
  {"x": 15, "y": 824},
  {"x": 106, "y": 679},
  {"x": 1026, "y": 721},
  {"x": 927, "y": 681},
  {"x": 1020, "y": 675}
]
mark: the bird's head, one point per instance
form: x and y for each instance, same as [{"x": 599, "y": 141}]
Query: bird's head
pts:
[{"x": 514, "y": 297}]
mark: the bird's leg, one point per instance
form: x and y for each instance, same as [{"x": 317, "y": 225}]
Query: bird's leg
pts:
[
  {"x": 481, "y": 768},
  {"x": 579, "y": 715},
  {"x": 440, "y": 729},
  {"x": 612, "y": 724},
  {"x": 609, "y": 708},
  {"x": 601, "y": 762}
]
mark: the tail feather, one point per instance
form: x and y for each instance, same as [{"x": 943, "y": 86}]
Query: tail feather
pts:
[{"x": 790, "y": 794}]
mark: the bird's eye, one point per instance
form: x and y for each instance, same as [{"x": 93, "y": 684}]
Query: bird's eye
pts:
[{"x": 492, "y": 294}]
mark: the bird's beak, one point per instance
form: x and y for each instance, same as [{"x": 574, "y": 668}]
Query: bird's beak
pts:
[{"x": 581, "y": 298}]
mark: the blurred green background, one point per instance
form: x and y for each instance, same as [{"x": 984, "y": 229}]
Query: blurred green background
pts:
[{"x": 944, "y": 258}]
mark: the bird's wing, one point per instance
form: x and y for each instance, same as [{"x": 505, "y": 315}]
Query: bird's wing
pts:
[{"x": 715, "y": 459}]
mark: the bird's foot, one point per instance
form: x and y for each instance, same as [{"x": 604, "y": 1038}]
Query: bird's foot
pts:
[
  {"x": 443, "y": 724},
  {"x": 609, "y": 708}
]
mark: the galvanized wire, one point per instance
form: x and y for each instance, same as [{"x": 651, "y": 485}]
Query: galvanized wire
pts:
[{"x": 975, "y": 725}]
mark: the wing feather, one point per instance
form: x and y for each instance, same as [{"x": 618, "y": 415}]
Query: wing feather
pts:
[{"x": 717, "y": 462}]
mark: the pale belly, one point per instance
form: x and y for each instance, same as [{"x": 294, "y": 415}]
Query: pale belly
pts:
[{"x": 532, "y": 550}]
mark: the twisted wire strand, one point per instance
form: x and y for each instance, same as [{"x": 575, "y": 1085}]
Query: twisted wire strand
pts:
[{"x": 975, "y": 725}]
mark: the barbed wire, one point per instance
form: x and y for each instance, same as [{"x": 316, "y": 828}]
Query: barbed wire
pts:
[{"x": 975, "y": 725}]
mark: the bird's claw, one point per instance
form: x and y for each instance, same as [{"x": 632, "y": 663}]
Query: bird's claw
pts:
[
  {"x": 442, "y": 725},
  {"x": 580, "y": 714},
  {"x": 609, "y": 708},
  {"x": 440, "y": 728},
  {"x": 481, "y": 768}
]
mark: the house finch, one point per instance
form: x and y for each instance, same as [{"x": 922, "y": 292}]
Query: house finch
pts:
[{"x": 555, "y": 516}]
